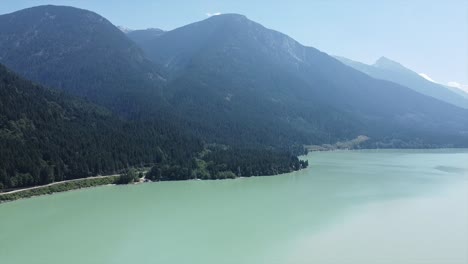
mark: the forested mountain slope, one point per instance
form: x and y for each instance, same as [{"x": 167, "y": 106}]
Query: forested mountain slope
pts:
[
  {"x": 46, "y": 136},
  {"x": 80, "y": 52},
  {"x": 242, "y": 77}
]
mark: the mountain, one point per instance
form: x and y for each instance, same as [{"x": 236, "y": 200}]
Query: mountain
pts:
[
  {"x": 125, "y": 30},
  {"x": 83, "y": 54},
  {"x": 389, "y": 70},
  {"x": 243, "y": 80},
  {"x": 223, "y": 97},
  {"x": 143, "y": 35},
  {"x": 80, "y": 52},
  {"x": 225, "y": 80},
  {"x": 47, "y": 136},
  {"x": 458, "y": 91}
]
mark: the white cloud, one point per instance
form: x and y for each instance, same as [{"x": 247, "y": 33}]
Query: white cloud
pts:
[
  {"x": 213, "y": 14},
  {"x": 460, "y": 86},
  {"x": 425, "y": 76}
]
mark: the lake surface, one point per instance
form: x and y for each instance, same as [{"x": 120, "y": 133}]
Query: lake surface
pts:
[{"x": 376, "y": 207}]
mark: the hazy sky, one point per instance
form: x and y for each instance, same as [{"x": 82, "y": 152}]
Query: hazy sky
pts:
[{"x": 428, "y": 36}]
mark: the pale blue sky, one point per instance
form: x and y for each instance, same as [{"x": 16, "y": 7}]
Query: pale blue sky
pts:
[{"x": 428, "y": 36}]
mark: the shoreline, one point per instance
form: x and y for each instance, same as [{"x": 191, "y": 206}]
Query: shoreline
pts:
[
  {"x": 88, "y": 183},
  {"x": 377, "y": 149},
  {"x": 110, "y": 180}
]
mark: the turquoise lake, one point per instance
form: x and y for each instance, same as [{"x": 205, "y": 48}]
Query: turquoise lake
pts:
[{"x": 370, "y": 206}]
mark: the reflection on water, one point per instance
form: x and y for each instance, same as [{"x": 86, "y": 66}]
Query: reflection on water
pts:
[{"x": 451, "y": 169}]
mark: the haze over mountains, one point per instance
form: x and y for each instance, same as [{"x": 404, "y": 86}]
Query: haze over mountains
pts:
[
  {"x": 389, "y": 70},
  {"x": 224, "y": 80},
  {"x": 229, "y": 56},
  {"x": 80, "y": 52},
  {"x": 143, "y": 35}
]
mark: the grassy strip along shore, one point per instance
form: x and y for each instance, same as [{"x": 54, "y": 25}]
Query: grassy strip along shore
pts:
[{"x": 59, "y": 187}]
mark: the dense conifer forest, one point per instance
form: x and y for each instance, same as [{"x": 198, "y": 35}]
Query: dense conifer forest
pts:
[
  {"x": 222, "y": 162},
  {"x": 47, "y": 136}
]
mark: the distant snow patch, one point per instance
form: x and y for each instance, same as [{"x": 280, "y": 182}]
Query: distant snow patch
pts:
[
  {"x": 460, "y": 86},
  {"x": 212, "y": 14},
  {"x": 425, "y": 76}
]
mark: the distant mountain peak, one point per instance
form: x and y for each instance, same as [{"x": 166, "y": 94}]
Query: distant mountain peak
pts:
[
  {"x": 385, "y": 61},
  {"x": 389, "y": 70}
]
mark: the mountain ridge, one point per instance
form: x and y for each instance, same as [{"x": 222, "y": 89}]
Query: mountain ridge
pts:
[
  {"x": 387, "y": 69},
  {"x": 80, "y": 52},
  {"x": 142, "y": 35},
  {"x": 228, "y": 80},
  {"x": 227, "y": 46}
]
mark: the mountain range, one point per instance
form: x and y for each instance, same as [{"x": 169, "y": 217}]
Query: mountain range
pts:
[
  {"x": 393, "y": 71},
  {"x": 254, "y": 73},
  {"x": 225, "y": 85}
]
